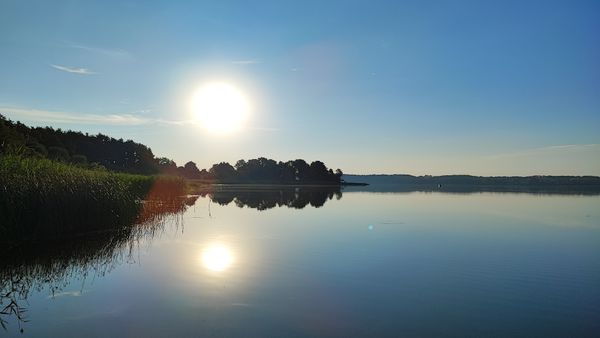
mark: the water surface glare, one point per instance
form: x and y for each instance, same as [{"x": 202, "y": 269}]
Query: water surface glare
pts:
[{"x": 363, "y": 264}]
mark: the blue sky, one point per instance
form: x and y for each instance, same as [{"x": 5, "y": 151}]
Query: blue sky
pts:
[{"x": 475, "y": 87}]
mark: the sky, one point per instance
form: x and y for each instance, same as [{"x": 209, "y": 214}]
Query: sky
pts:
[{"x": 418, "y": 87}]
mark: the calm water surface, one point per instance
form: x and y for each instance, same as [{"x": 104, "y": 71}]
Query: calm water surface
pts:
[{"x": 363, "y": 264}]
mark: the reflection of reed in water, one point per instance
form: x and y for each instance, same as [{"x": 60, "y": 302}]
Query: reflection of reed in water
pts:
[
  {"x": 264, "y": 198},
  {"x": 54, "y": 264}
]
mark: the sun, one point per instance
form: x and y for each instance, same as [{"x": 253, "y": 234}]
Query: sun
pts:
[{"x": 220, "y": 107}]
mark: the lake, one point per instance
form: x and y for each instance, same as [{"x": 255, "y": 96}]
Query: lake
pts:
[{"x": 328, "y": 263}]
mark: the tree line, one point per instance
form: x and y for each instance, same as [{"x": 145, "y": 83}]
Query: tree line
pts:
[
  {"x": 102, "y": 151},
  {"x": 458, "y": 182},
  {"x": 264, "y": 170}
]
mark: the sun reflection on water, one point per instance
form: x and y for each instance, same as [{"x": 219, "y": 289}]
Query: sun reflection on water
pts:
[{"x": 217, "y": 257}]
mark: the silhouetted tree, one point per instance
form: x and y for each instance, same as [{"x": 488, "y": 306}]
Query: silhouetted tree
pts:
[
  {"x": 9, "y": 135},
  {"x": 166, "y": 166},
  {"x": 189, "y": 170},
  {"x": 223, "y": 172},
  {"x": 205, "y": 175},
  {"x": 264, "y": 170},
  {"x": 113, "y": 154},
  {"x": 102, "y": 151}
]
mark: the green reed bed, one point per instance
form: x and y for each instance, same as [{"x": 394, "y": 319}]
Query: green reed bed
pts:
[{"x": 40, "y": 198}]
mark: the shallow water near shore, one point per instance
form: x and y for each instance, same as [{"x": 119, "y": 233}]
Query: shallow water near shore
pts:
[{"x": 323, "y": 263}]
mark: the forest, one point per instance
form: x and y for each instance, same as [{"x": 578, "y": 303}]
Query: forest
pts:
[
  {"x": 126, "y": 156},
  {"x": 77, "y": 148},
  {"x": 264, "y": 170}
]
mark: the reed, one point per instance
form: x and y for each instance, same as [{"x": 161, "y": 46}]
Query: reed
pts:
[{"x": 40, "y": 198}]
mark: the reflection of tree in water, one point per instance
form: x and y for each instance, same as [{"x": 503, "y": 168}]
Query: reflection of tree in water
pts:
[
  {"x": 267, "y": 198},
  {"x": 34, "y": 266}
]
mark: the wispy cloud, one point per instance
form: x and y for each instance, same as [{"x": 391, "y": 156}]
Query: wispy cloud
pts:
[
  {"x": 40, "y": 115},
  {"x": 113, "y": 53},
  {"x": 74, "y": 70},
  {"x": 134, "y": 118},
  {"x": 245, "y": 62}
]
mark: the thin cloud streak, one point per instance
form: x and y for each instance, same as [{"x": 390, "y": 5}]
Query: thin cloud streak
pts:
[
  {"x": 73, "y": 70},
  {"x": 136, "y": 118},
  {"x": 245, "y": 62},
  {"x": 49, "y": 116},
  {"x": 113, "y": 53}
]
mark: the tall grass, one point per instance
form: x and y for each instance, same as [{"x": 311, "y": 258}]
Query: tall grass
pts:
[{"x": 40, "y": 198}]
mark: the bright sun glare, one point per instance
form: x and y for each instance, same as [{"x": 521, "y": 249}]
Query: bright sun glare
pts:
[
  {"x": 217, "y": 258},
  {"x": 220, "y": 107}
]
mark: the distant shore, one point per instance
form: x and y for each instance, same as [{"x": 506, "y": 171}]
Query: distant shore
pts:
[{"x": 469, "y": 180}]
